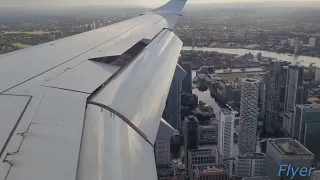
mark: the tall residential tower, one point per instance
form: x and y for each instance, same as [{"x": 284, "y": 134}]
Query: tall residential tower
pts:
[{"x": 248, "y": 115}]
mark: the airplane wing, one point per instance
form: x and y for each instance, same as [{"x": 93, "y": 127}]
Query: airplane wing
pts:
[{"x": 88, "y": 107}]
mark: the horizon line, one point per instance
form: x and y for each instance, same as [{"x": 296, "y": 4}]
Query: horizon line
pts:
[{"x": 154, "y": 5}]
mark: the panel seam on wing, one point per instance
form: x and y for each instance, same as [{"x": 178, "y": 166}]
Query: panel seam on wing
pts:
[
  {"x": 126, "y": 120},
  {"x": 53, "y": 87},
  {"x": 15, "y": 127}
]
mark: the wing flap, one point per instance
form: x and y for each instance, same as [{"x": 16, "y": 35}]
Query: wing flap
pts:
[
  {"x": 124, "y": 153},
  {"x": 144, "y": 84}
]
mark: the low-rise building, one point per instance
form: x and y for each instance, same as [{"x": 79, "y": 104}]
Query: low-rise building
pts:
[
  {"x": 198, "y": 157},
  {"x": 284, "y": 151},
  {"x": 212, "y": 172},
  {"x": 250, "y": 165}
]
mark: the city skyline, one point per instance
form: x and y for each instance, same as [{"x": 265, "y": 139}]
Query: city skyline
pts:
[
  {"x": 144, "y": 3},
  {"x": 221, "y": 94}
]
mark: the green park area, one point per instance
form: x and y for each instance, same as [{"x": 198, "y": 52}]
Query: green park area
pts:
[{"x": 15, "y": 40}]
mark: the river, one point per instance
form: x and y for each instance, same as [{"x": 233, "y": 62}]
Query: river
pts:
[
  {"x": 206, "y": 97},
  {"x": 304, "y": 60}
]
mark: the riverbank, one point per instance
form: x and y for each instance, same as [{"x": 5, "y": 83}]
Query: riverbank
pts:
[{"x": 304, "y": 60}]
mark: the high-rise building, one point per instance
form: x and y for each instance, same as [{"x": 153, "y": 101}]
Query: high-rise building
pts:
[
  {"x": 93, "y": 25},
  {"x": 297, "y": 46},
  {"x": 212, "y": 172},
  {"x": 174, "y": 98},
  {"x": 317, "y": 75},
  {"x": 312, "y": 42},
  {"x": 292, "y": 42},
  {"x": 263, "y": 95},
  {"x": 187, "y": 81},
  {"x": 198, "y": 157},
  {"x": 225, "y": 136},
  {"x": 306, "y": 127},
  {"x": 162, "y": 143},
  {"x": 259, "y": 56},
  {"x": 284, "y": 86},
  {"x": 249, "y": 165},
  {"x": 296, "y": 93},
  {"x": 248, "y": 115},
  {"x": 315, "y": 175},
  {"x": 275, "y": 79},
  {"x": 284, "y": 151},
  {"x": 191, "y": 136}
]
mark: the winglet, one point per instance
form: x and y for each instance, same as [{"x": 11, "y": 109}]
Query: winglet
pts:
[{"x": 173, "y": 6}]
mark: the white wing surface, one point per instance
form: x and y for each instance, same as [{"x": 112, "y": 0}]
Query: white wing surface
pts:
[{"x": 88, "y": 107}]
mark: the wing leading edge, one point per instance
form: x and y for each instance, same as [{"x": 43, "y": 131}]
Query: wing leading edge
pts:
[{"x": 89, "y": 106}]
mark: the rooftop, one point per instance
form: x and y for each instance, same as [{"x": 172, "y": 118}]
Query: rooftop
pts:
[
  {"x": 252, "y": 156},
  {"x": 225, "y": 111},
  {"x": 191, "y": 119},
  {"x": 295, "y": 66},
  {"x": 238, "y": 70},
  {"x": 250, "y": 80},
  {"x": 211, "y": 168},
  {"x": 309, "y": 106},
  {"x": 256, "y": 178},
  {"x": 201, "y": 152},
  {"x": 314, "y": 100},
  {"x": 287, "y": 146}
]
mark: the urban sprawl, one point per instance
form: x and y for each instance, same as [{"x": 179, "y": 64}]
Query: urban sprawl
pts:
[{"x": 244, "y": 103}]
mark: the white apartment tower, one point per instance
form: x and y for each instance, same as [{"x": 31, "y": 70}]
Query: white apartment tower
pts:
[{"x": 248, "y": 115}]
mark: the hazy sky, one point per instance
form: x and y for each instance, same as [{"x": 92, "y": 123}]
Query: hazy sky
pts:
[{"x": 149, "y": 3}]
